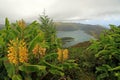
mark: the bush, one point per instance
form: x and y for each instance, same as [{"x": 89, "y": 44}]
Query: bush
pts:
[
  {"x": 32, "y": 51},
  {"x": 85, "y": 61},
  {"x": 107, "y": 53}
]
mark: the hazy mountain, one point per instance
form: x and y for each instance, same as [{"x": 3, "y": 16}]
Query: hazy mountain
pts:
[
  {"x": 87, "y": 28},
  {"x": 1, "y": 26}
]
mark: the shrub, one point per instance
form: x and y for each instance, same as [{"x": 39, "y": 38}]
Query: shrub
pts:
[
  {"x": 107, "y": 53},
  {"x": 30, "y": 51}
]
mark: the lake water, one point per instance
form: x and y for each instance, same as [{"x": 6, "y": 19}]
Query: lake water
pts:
[{"x": 78, "y": 35}]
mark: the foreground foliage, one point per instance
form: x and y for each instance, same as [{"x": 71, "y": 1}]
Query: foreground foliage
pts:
[
  {"x": 99, "y": 60},
  {"x": 32, "y": 51},
  {"x": 107, "y": 54}
]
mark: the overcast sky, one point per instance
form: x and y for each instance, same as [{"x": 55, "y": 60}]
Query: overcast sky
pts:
[{"x": 83, "y": 10}]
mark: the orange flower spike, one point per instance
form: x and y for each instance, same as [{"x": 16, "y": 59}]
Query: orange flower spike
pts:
[
  {"x": 23, "y": 54},
  {"x": 42, "y": 51},
  {"x": 15, "y": 61},
  {"x": 12, "y": 52},
  {"x": 11, "y": 57},
  {"x": 21, "y": 24},
  {"x": 60, "y": 54},
  {"x": 36, "y": 49},
  {"x": 65, "y": 54},
  {"x": 17, "y": 51}
]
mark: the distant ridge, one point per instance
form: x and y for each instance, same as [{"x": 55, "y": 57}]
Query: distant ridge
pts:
[
  {"x": 87, "y": 28},
  {"x": 1, "y": 26}
]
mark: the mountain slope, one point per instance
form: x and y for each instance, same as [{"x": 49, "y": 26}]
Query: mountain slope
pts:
[
  {"x": 1, "y": 26},
  {"x": 87, "y": 28}
]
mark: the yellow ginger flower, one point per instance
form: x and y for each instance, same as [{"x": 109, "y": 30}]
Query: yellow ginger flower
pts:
[
  {"x": 65, "y": 54},
  {"x": 12, "y": 55},
  {"x": 62, "y": 54},
  {"x": 17, "y": 52},
  {"x": 38, "y": 50},
  {"x": 42, "y": 51},
  {"x": 23, "y": 52},
  {"x": 21, "y": 24}
]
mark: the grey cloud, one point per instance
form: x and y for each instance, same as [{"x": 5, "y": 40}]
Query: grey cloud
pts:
[
  {"x": 85, "y": 8},
  {"x": 58, "y": 9}
]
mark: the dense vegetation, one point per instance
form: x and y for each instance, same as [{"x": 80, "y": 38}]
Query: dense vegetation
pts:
[
  {"x": 107, "y": 54},
  {"x": 100, "y": 57},
  {"x": 33, "y": 52}
]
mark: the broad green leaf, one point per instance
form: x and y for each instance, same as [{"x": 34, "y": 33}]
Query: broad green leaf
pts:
[
  {"x": 18, "y": 29},
  {"x": 9, "y": 67},
  {"x": 52, "y": 66},
  {"x": 116, "y": 68},
  {"x": 67, "y": 65},
  {"x": 102, "y": 52},
  {"x": 51, "y": 56},
  {"x": 31, "y": 68},
  {"x": 16, "y": 77},
  {"x": 70, "y": 61},
  {"x": 56, "y": 72},
  {"x": 102, "y": 76},
  {"x": 39, "y": 38},
  {"x": 1, "y": 41},
  {"x": 117, "y": 74}
]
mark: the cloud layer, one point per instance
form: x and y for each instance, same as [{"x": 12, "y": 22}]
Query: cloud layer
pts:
[{"x": 59, "y": 9}]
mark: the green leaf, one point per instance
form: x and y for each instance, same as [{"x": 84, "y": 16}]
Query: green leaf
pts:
[
  {"x": 117, "y": 74},
  {"x": 70, "y": 61},
  {"x": 31, "y": 68},
  {"x": 2, "y": 59},
  {"x": 7, "y": 24},
  {"x": 51, "y": 56},
  {"x": 9, "y": 67},
  {"x": 102, "y": 52},
  {"x": 102, "y": 76},
  {"x": 67, "y": 65},
  {"x": 112, "y": 26},
  {"x": 116, "y": 68},
  {"x": 39, "y": 38},
  {"x": 52, "y": 66},
  {"x": 34, "y": 23},
  {"x": 56, "y": 72},
  {"x": 16, "y": 77},
  {"x": 15, "y": 32},
  {"x": 18, "y": 29},
  {"x": 1, "y": 41}
]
